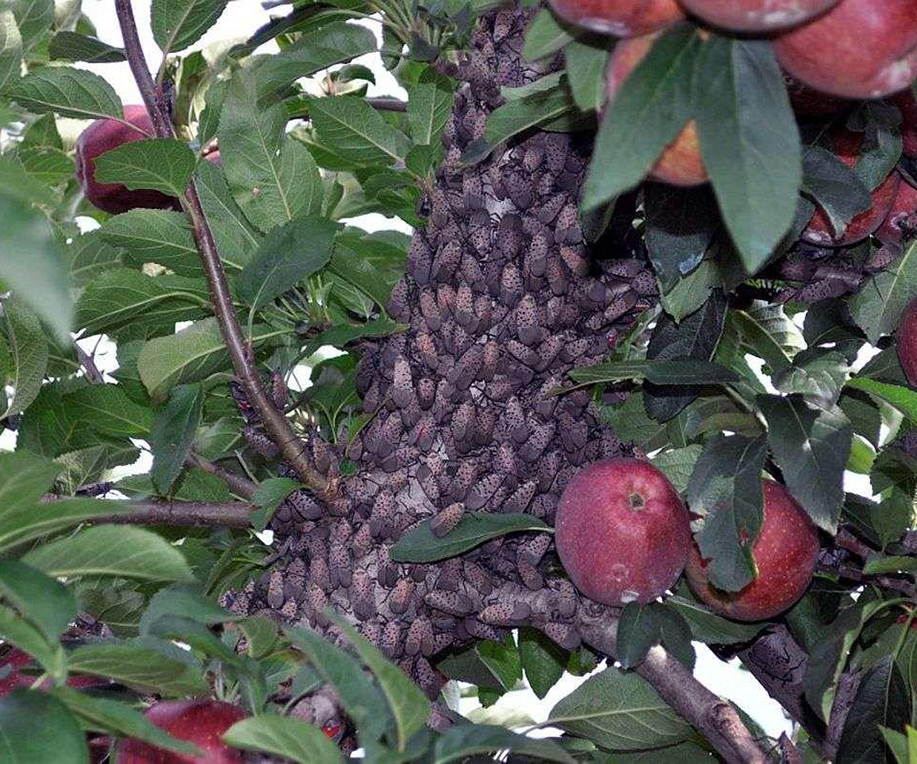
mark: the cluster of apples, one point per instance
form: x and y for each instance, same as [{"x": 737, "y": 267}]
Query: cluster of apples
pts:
[
  {"x": 833, "y": 52},
  {"x": 623, "y": 535}
]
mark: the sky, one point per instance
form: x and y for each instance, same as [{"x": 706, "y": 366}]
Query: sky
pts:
[{"x": 241, "y": 18}]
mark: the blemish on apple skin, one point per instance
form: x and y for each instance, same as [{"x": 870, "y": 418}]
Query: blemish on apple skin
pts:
[
  {"x": 619, "y": 571},
  {"x": 628, "y": 595},
  {"x": 256, "y": 191}
]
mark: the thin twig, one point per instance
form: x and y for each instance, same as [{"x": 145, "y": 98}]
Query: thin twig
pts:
[
  {"x": 239, "y": 485},
  {"x": 387, "y": 104},
  {"x": 90, "y": 369},
  {"x": 276, "y": 425}
]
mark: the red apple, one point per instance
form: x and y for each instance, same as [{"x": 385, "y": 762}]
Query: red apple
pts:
[
  {"x": 906, "y": 340},
  {"x": 908, "y": 106},
  {"x": 201, "y": 722},
  {"x": 785, "y": 553},
  {"x": 681, "y": 163},
  {"x": 858, "y": 49},
  {"x": 846, "y": 145},
  {"x": 894, "y": 229},
  {"x": 756, "y": 15},
  {"x": 623, "y": 18},
  {"x": 17, "y": 660},
  {"x": 104, "y": 135},
  {"x": 622, "y": 532}
]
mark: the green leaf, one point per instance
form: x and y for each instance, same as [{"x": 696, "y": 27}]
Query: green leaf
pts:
[
  {"x": 680, "y": 223},
  {"x": 707, "y": 626},
  {"x": 502, "y": 660},
  {"x": 139, "y": 666},
  {"x": 409, "y": 706},
  {"x": 32, "y": 266},
  {"x": 619, "y": 711},
  {"x": 816, "y": 374},
  {"x": 24, "y": 480},
  {"x": 112, "y": 716},
  {"x": 900, "y": 398},
  {"x": 110, "y": 410},
  {"x": 289, "y": 254},
  {"x": 10, "y": 51},
  {"x": 284, "y": 736},
  {"x": 429, "y": 106},
  {"x": 45, "y": 602},
  {"x": 311, "y": 52},
  {"x": 352, "y": 128},
  {"x": 21, "y": 522},
  {"x": 835, "y": 186},
  {"x": 20, "y": 633},
  {"x": 420, "y": 544},
  {"x": 235, "y": 237},
  {"x": 767, "y": 333},
  {"x": 542, "y": 659},
  {"x": 111, "y": 550},
  {"x": 46, "y": 164},
  {"x": 67, "y": 91},
  {"x": 74, "y": 46},
  {"x": 185, "y": 601},
  {"x": 362, "y": 699},
  {"x": 173, "y": 432},
  {"x": 725, "y": 488},
  {"x": 642, "y": 626},
  {"x": 749, "y": 142},
  {"x": 174, "y": 628},
  {"x": 877, "y": 308},
  {"x": 678, "y": 464},
  {"x": 545, "y": 35},
  {"x": 650, "y": 109},
  {"x": 154, "y": 236},
  {"x": 27, "y": 347},
  {"x": 694, "y": 339},
  {"x": 469, "y": 740},
  {"x": 89, "y": 256},
  {"x": 690, "y": 292},
  {"x": 882, "y": 700},
  {"x": 180, "y": 23},
  {"x": 26, "y": 716},
  {"x": 160, "y": 164},
  {"x": 586, "y": 61},
  {"x": 811, "y": 446},
  {"x": 260, "y": 635},
  {"x": 190, "y": 355},
  {"x": 273, "y": 179},
  {"x": 34, "y": 18},
  {"x": 270, "y": 494}
]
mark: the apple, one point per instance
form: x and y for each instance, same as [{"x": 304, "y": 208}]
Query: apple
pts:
[
  {"x": 201, "y": 721},
  {"x": 906, "y": 340},
  {"x": 858, "y": 49},
  {"x": 17, "y": 660},
  {"x": 756, "y": 15},
  {"x": 104, "y": 135},
  {"x": 622, "y": 532},
  {"x": 785, "y": 553},
  {"x": 894, "y": 228},
  {"x": 681, "y": 163},
  {"x": 846, "y": 145},
  {"x": 908, "y": 107},
  {"x": 809, "y": 103},
  {"x": 622, "y": 18}
]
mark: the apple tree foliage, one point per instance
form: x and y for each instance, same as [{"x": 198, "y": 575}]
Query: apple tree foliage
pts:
[{"x": 727, "y": 358}]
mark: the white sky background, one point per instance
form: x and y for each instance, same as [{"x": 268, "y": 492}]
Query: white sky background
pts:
[{"x": 241, "y": 18}]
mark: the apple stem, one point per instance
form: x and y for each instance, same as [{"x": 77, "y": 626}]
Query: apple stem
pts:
[{"x": 276, "y": 425}]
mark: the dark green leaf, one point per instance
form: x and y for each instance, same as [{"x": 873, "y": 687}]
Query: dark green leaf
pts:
[
  {"x": 542, "y": 659},
  {"x": 34, "y": 18},
  {"x": 900, "y": 398},
  {"x": 650, "y": 109},
  {"x": 586, "y": 61},
  {"x": 421, "y": 545},
  {"x": 270, "y": 494},
  {"x": 707, "y": 626},
  {"x": 26, "y": 717},
  {"x": 73, "y": 46},
  {"x": 811, "y": 446},
  {"x": 161, "y": 164},
  {"x": 173, "y": 432},
  {"x": 67, "y": 91},
  {"x": 725, "y": 488},
  {"x": 621, "y": 712},
  {"x": 44, "y": 601},
  {"x": 816, "y": 374},
  {"x": 877, "y": 308},
  {"x": 545, "y": 35},
  {"x": 180, "y": 23},
  {"x": 882, "y": 700},
  {"x": 467, "y": 740},
  {"x": 290, "y": 253},
  {"x": 10, "y": 51},
  {"x": 673, "y": 371},
  {"x": 284, "y": 736},
  {"x": 27, "y": 355},
  {"x": 110, "y": 550},
  {"x": 154, "y": 236},
  {"x": 352, "y": 128},
  {"x": 640, "y": 627},
  {"x": 677, "y": 464},
  {"x": 836, "y": 187}
]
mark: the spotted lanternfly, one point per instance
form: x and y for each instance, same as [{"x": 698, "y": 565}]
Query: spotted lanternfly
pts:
[
  {"x": 419, "y": 638},
  {"x": 420, "y": 259},
  {"x": 447, "y": 519},
  {"x": 400, "y": 598},
  {"x": 501, "y": 614},
  {"x": 538, "y": 442},
  {"x": 340, "y": 566},
  {"x": 564, "y": 634},
  {"x": 452, "y": 603},
  {"x": 520, "y": 498},
  {"x": 450, "y": 575},
  {"x": 462, "y": 421},
  {"x": 361, "y": 595},
  {"x": 483, "y": 491},
  {"x": 645, "y": 283},
  {"x": 318, "y": 573},
  {"x": 555, "y": 149}
]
